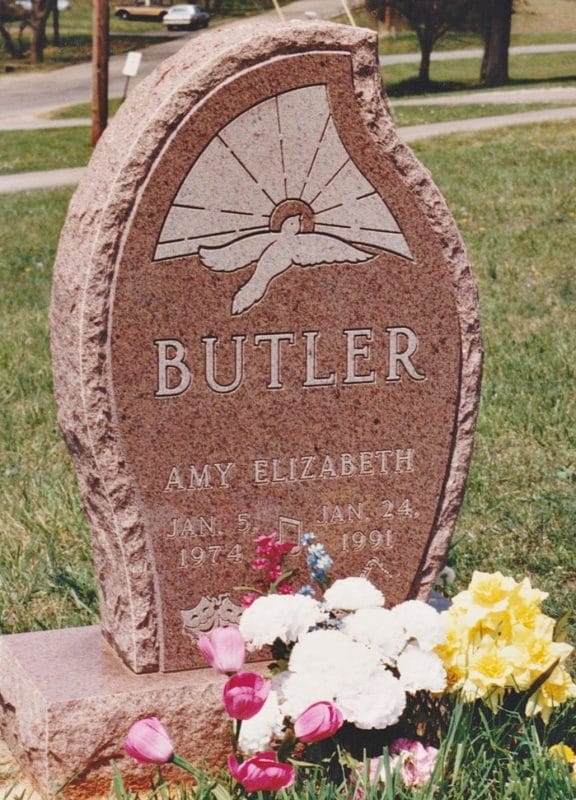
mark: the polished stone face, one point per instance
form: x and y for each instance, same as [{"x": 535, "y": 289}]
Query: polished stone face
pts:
[{"x": 277, "y": 331}]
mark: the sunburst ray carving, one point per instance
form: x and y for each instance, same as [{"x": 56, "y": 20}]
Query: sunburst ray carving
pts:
[{"x": 276, "y": 187}]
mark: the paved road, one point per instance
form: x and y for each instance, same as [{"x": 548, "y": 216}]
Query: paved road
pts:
[
  {"x": 41, "y": 92},
  {"x": 45, "y": 91}
]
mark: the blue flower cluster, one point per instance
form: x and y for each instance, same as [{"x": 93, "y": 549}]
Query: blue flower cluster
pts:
[
  {"x": 318, "y": 560},
  {"x": 307, "y": 590}
]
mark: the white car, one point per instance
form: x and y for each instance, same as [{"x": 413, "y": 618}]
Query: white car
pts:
[{"x": 186, "y": 16}]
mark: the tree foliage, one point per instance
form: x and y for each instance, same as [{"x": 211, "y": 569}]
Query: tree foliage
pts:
[
  {"x": 36, "y": 19},
  {"x": 11, "y": 13},
  {"x": 430, "y": 20}
]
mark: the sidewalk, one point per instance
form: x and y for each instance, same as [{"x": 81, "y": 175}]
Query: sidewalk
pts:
[
  {"x": 415, "y": 133},
  {"x": 48, "y": 179},
  {"x": 551, "y": 94}
]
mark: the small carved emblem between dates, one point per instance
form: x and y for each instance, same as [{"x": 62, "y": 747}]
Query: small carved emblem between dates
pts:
[{"x": 209, "y": 613}]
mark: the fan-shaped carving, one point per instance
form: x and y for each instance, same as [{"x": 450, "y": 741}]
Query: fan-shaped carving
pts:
[{"x": 276, "y": 186}]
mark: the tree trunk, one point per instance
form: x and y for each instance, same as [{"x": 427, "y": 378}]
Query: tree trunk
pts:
[
  {"x": 55, "y": 24},
  {"x": 9, "y": 44},
  {"x": 498, "y": 24},
  {"x": 38, "y": 41},
  {"x": 426, "y": 45}
]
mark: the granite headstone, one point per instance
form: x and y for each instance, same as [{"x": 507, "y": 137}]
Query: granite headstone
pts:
[{"x": 272, "y": 319}]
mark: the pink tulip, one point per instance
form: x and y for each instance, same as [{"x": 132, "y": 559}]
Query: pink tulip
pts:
[
  {"x": 223, "y": 649},
  {"x": 262, "y": 773},
  {"x": 318, "y": 721},
  {"x": 148, "y": 742},
  {"x": 417, "y": 761},
  {"x": 245, "y": 694}
]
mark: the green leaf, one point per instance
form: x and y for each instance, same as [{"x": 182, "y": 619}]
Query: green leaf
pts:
[
  {"x": 221, "y": 792},
  {"x": 542, "y": 679},
  {"x": 118, "y": 782},
  {"x": 561, "y": 628}
]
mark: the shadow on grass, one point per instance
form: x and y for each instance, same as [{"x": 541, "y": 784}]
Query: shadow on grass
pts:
[{"x": 414, "y": 86}]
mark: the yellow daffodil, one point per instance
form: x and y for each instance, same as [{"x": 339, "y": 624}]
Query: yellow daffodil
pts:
[
  {"x": 498, "y": 641},
  {"x": 563, "y": 751},
  {"x": 556, "y": 690},
  {"x": 491, "y": 589}
]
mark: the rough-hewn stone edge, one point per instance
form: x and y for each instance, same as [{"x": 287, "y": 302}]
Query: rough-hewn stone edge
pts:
[
  {"x": 22, "y": 715},
  {"x": 373, "y": 104},
  {"x": 86, "y": 261}
]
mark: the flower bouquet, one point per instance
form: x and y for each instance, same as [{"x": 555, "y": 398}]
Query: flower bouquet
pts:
[{"x": 351, "y": 679}]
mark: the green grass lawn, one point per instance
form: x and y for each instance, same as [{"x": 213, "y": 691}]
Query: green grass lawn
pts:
[
  {"x": 513, "y": 195},
  {"x": 24, "y": 151},
  {"x": 83, "y": 110},
  {"x": 52, "y": 148},
  {"x": 45, "y": 562},
  {"x": 423, "y": 115}
]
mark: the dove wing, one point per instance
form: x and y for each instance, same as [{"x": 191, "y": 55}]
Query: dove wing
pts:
[
  {"x": 320, "y": 248},
  {"x": 237, "y": 254}
]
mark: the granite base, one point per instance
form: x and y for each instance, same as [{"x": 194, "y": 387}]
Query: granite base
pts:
[{"x": 67, "y": 702}]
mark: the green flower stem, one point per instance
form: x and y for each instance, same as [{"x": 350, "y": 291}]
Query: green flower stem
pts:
[
  {"x": 185, "y": 765},
  {"x": 284, "y": 577},
  {"x": 236, "y": 726}
]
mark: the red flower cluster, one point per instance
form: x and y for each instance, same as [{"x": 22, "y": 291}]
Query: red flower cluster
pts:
[{"x": 268, "y": 561}]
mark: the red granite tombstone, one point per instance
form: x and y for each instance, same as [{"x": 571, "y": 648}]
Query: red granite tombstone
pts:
[
  {"x": 263, "y": 320},
  {"x": 270, "y": 339}
]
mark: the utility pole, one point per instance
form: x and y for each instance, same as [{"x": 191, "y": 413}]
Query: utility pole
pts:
[{"x": 100, "y": 44}]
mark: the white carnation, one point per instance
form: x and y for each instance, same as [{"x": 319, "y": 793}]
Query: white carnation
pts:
[
  {"x": 421, "y": 622},
  {"x": 321, "y": 653},
  {"x": 297, "y": 691},
  {"x": 256, "y": 734},
  {"x": 421, "y": 669},
  {"x": 377, "y": 628},
  {"x": 350, "y": 594},
  {"x": 376, "y": 703},
  {"x": 279, "y": 616}
]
